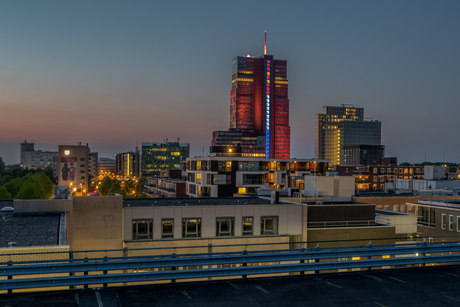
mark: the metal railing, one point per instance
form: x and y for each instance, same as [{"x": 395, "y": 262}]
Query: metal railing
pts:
[
  {"x": 107, "y": 270},
  {"x": 326, "y": 224}
]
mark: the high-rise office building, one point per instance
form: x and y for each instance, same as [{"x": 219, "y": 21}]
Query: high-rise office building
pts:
[
  {"x": 163, "y": 156},
  {"x": 340, "y": 127},
  {"x": 128, "y": 165},
  {"x": 259, "y": 108}
]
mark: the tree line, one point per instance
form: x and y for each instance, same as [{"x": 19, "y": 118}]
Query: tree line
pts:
[{"x": 19, "y": 183}]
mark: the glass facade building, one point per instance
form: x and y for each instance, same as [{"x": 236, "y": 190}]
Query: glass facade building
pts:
[
  {"x": 259, "y": 108},
  {"x": 343, "y": 126},
  {"x": 162, "y": 156}
]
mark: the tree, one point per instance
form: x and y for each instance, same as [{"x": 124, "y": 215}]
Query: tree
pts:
[
  {"x": 2, "y": 165},
  {"x": 13, "y": 186},
  {"x": 129, "y": 187},
  {"x": 37, "y": 186},
  {"x": 4, "y": 194},
  {"x": 105, "y": 186},
  {"x": 114, "y": 188},
  {"x": 140, "y": 186},
  {"x": 405, "y": 164},
  {"x": 29, "y": 190}
]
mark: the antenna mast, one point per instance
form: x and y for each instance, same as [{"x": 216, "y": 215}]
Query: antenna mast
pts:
[{"x": 265, "y": 45}]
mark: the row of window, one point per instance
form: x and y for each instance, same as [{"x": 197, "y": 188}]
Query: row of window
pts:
[
  {"x": 451, "y": 222},
  {"x": 191, "y": 227}
]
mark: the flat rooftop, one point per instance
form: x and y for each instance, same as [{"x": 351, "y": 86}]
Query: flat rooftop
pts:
[
  {"x": 6, "y": 203},
  {"x": 429, "y": 286},
  {"x": 29, "y": 229},
  {"x": 188, "y": 201}
]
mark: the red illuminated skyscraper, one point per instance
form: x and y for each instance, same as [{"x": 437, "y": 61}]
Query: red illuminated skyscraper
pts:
[{"x": 259, "y": 108}]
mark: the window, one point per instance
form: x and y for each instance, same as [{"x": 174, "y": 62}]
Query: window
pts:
[
  {"x": 443, "y": 221},
  {"x": 224, "y": 227},
  {"x": 458, "y": 223},
  {"x": 451, "y": 222},
  {"x": 82, "y": 171},
  {"x": 375, "y": 178},
  {"x": 82, "y": 159},
  {"x": 375, "y": 170},
  {"x": 247, "y": 226},
  {"x": 269, "y": 226},
  {"x": 191, "y": 228},
  {"x": 142, "y": 229},
  {"x": 198, "y": 177},
  {"x": 167, "y": 228}
]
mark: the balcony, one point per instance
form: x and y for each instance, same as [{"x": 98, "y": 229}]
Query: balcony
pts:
[
  {"x": 253, "y": 181},
  {"x": 254, "y": 169}
]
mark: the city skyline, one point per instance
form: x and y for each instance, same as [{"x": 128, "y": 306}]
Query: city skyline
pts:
[{"x": 112, "y": 75}]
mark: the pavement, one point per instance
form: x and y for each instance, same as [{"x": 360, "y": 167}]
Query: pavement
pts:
[{"x": 430, "y": 286}]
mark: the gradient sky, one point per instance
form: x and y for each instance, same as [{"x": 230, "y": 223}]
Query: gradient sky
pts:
[{"x": 114, "y": 73}]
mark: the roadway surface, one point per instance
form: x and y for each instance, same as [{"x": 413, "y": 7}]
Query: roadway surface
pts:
[{"x": 431, "y": 286}]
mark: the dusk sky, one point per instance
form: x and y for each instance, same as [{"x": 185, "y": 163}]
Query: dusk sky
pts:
[{"x": 114, "y": 73}]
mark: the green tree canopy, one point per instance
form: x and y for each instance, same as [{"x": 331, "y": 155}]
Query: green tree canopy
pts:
[
  {"x": 4, "y": 194},
  {"x": 2, "y": 165},
  {"x": 37, "y": 186},
  {"x": 105, "y": 186}
]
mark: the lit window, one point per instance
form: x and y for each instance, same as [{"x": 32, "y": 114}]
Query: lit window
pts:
[
  {"x": 224, "y": 227},
  {"x": 167, "y": 230},
  {"x": 191, "y": 228},
  {"x": 247, "y": 226},
  {"x": 142, "y": 229},
  {"x": 269, "y": 225}
]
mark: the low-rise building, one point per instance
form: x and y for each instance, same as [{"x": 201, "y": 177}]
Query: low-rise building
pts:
[
  {"x": 227, "y": 174},
  {"x": 165, "y": 187}
]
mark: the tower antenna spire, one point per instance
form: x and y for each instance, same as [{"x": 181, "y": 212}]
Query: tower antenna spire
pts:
[{"x": 265, "y": 45}]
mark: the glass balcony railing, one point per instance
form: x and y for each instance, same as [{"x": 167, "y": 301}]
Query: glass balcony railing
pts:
[
  {"x": 254, "y": 168},
  {"x": 253, "y": 181}
]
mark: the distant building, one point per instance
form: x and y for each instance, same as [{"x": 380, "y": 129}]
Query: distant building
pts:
[
  {"x": 128, "y": 165},
  {"x": 163, "y": 156},
  {"x": 25, "y": 147},
  {"x": 93, "y": 165},
  {"x": 106, "y": 165},
  {"x": 73, "y": 168},
  {"x": 343, "y": 126},
  {"x": 38, "y": 159},
  {"x": 259, "y": 108},
  {"x": 229, "y": 173},
  {"x": 166, "y": 187},
  {"x": 363, "y": 155},
  {"x": 374, "y": 177}
]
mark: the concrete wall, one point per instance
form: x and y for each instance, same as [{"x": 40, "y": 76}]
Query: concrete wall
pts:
[
  {"x": 97, "y": 223},
  {"x": 289, "y": 218},
  {"x": 404, "y": 223},
  {"x": 351, "y": 233},
  {"x": 435, "y": 172},
  {"x": 341, "y": 188}
]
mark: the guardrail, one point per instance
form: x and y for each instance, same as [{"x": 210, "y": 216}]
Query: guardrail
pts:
[{"x": 106, "y": 270}]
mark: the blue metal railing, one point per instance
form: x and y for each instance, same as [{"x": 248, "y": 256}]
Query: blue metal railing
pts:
[{"x": 106, "y": 270}]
